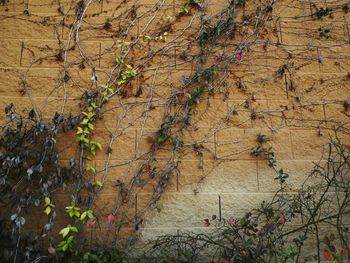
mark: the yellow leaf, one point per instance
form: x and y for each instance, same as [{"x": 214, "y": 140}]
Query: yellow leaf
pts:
[{"x": 47, "y": 210}]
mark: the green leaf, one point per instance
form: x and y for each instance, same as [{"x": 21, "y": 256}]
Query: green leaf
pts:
[
  {"x": 47, "y": 201},
  {"x": 64, "y": 231},
  {"x": 121, "y": 82},
  {"x": 91, "y": 115},
  {"x": 87, "y": 214},
  {"x": 79, "y": 130},
  {"x": 82, "y": 138},
  {"x": 98, "y": 145},
  {"x": 83, "y": 216},
  {"x": 98, "y": 183},
  {"x": 119, "y": 60},
  {"x": 65, "y": 247},
  {"x": 84, "y": 121},
  {"x": 183, "y": 11},
  {"x": 90, "y": 214},
  {"x": 73, "y": 229},
  {"x": 76, "y": 213},
  {"x": 90, "y": 168},
  {"x": 93, "y": 151},
  {"x": 47, "y": 210}
]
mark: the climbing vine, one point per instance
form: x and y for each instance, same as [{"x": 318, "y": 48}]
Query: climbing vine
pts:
[{"x": 34, "y": 173}]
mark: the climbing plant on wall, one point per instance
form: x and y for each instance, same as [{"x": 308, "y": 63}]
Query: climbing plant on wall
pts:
[{"x": 34, "y": 172}]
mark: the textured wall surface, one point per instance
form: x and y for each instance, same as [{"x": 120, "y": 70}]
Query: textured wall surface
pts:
[{"x": 292, "y": 85}]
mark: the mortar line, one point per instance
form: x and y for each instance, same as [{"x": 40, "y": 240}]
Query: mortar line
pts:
[
  {"x": 91, "y": 236},
  {"x": 324, "y": 114},
  {"x": 291, "y": 144},
  {"x": 319, "y": 58},
  {"x": 135, "y": 143},
  {"x": 286, "y": 85},
  {"x": 99, "y": 55},
  {"x": 174, "y": 8},
  {"x": 252, "y": 122},
  {"x": 178, "y": 237},
  {"x": 279, "y": 24},
  {"x": 138, "y": 26},
  {"x": 177, "y": 182},
  {"x": 26, "y": 5},
  {"x": 62, "y": 28},
  {"x": 310, "y": 4},
  {"x": 215, "y": 142},
  {"x": 21, "y": 56},
  {"x": 136, "y": 198},
  {"x": 220, "y": 217},
  {"x": 257, "y": 175}
]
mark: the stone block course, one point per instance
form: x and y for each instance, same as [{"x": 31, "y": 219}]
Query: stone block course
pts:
[
  {"x": 11, "y": 52},
  {"x": 181, "y": 210},
  {"x": 32, "y": 27}
]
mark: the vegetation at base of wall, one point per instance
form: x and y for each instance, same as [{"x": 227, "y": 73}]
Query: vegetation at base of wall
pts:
[
  {"x": 277, "y": 231},
  {"x": 31, "y": 173},
  {"x": 313, "y": 220}
]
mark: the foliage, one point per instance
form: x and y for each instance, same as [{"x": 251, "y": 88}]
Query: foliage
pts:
[
  {"x": 323, "y": 12},
  {"x": 262, "y": 151},
  {"x": 273, "y": 232},
  {"x": 104, "y": 256},
  {"x": 29, "y": 175},
  {"x": 70, "y": 231},
  {"x": 186, "y": 9},
  {"x": 324, "y": 32},
  {"x": 210, "y": 33}
]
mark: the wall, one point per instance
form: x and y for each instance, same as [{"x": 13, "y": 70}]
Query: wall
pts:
[{"x": 291, "y": 85}]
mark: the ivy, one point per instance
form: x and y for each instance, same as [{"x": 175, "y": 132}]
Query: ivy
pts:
[
  {"x": 85, "y": 129},
  {"x": 195, "y": 95},
  {"x": 210, "y": 33},
  {"x": 70, "y": 231},
  {"x": 48, "y": 206},
  {"x": 323, "y": 12},
  {"x": 30, "y": 173}
]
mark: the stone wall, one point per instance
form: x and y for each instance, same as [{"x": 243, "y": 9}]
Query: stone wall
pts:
[{"x": 291, "y": 85}]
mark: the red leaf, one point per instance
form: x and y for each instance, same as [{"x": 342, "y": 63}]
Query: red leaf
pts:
[
  {"x": 282, "y": 220},
  {"x": 179, "y": 92},
  {"x": 147, "y": 169},
  {"x": 345, "y": 250},
  {"x": 150, "y": 139},
  {"x": 206, "y": 222},
  {"x": 327, "y": 254},
  {"x": 111, "y": 219},
  {"x": 90, "y": 222},
  {"x": 182, "y": 92},
  {"x": 51, "y": 249}
]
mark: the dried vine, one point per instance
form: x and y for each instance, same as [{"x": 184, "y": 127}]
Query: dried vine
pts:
[{"x": 216, "y": 46}]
